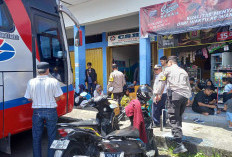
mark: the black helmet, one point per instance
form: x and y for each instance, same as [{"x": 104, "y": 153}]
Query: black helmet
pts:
[{"x": 144, "y": 94}]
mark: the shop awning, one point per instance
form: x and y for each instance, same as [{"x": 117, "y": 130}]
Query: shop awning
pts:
[{"x": 180, "y": 16}]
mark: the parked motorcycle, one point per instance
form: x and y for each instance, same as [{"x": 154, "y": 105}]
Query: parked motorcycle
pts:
[
  {"x": 106, "y": 117},
  {"x": 79, "y": 141}
]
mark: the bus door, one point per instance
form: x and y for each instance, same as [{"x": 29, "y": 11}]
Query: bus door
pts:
[
  {"x": 1, "y": 106},
  {"x": 50, "y": 47}
]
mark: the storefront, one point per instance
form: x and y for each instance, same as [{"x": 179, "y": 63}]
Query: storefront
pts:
[
  {"x": 125, "y": 53},
  {"x": 121, "y": 47},
  {"x": 198, "y": 33}
]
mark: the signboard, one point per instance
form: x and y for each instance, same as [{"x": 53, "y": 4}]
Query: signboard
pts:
[
  {"x": 222, "y": 36},
  {"x": 193, "y": 38},
  {"x": 179, "y": 16},
  {"x": 123, "y": 39}
]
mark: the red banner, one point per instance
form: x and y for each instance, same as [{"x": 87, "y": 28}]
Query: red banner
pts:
[{"x": 179, "y": 16}]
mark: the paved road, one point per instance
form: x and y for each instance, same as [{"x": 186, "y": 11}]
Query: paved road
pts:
[{"x": 21, "y": 144}]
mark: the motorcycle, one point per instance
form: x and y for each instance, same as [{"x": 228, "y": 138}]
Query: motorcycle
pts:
[
  {"x": 106, "y": 117},
  {"x": 85, "y": 141},
  {"x": 151, "y": 145}
]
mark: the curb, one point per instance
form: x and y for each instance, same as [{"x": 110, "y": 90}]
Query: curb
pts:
[{"x": 168, "y": 142}]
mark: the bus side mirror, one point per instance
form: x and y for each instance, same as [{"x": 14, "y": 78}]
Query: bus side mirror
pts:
[{"x": 78, "y": 38}]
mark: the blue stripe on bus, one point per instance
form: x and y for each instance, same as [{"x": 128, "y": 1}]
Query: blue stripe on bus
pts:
[
  {"x": 23, "y": 101},
  {"x": 70, "y": 88},
  {"x": 1, "y": 106},
  {"x": 16, "y": 102}
]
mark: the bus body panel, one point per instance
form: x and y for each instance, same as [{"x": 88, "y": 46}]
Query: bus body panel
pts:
[
  {"x": 15, "y": 110},
  {"x": 19, "y": 118},
  {"x": 17, "y": 114},
  {"x": 1, "y": 111}
]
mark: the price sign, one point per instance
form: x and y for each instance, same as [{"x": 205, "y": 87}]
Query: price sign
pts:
[{"x": 222, "y": 36}]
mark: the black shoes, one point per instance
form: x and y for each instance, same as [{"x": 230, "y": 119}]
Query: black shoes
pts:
[{"x": 180, "y": 149}]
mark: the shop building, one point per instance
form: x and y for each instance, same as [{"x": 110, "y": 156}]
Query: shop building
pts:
[
  {"x": 199, "y": 32},
  {"x": 112, "y": 35}
]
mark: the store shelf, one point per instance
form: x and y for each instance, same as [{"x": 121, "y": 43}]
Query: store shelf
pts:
[{"x": 224, "y": 70}]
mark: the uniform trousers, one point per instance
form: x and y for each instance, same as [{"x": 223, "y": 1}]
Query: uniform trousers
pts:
[
  {"x": 157, "y": 110},
  {"x": 176, "y": 104},
  {"x": 118, "y": 97}
]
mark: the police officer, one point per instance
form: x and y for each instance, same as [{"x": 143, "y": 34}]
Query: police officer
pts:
[
  {"x": 178, "y": 92},
  {"x": 116, "y": 82}
]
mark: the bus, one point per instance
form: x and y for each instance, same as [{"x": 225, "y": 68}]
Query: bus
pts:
[{"x": 31, "y": 31}]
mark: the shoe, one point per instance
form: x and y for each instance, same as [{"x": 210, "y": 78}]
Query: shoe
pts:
[
  {"x": 195, "y": 119},
  {"x": 199, "y": 121},
  {"x": 180, "y": 149}
]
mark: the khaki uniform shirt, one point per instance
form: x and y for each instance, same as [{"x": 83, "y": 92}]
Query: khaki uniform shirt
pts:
[
  {"x": 117, "y": 81},
  {"x": 177, "y": 80},
  {"x": 156, "y": 83}
]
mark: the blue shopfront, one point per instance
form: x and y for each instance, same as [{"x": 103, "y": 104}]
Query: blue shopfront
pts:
[{"x": 144, "y": 54}]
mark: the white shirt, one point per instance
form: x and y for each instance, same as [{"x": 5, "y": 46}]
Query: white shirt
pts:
[{"x": 43, "y": 90}]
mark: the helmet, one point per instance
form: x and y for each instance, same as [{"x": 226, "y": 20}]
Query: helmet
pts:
[{"x": 144, "y": 94}]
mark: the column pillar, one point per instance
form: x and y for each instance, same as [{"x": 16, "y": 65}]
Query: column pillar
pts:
[
  {"x": 160, "y": 54},
  {"x": 80, "y": 62},
  {"x": 104, "y": 53},
  {"x": 144, "y": 59}
]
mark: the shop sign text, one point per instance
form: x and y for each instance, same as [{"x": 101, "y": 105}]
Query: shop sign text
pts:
[{"x": 123, "y": 39}]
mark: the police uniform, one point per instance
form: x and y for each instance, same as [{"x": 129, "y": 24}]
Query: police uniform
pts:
[
  {"x": 159, "y": 106},
  {"x": 178, "y": 92},
  {"x": 117, "y": 81}
]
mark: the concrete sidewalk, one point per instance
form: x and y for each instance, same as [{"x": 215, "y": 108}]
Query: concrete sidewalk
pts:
[
  {"x": 199, "y": 138},
  {"x": 203, "y": 138}
]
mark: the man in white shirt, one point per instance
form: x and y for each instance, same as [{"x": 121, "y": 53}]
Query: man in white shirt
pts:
[
  {"x": 44, "y": 92},
  {"x": 158, "y": 105}
]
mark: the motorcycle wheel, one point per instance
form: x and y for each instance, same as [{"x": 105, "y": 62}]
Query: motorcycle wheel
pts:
[
  {"x": 155, "y": 148},
  {"x": 151, "y": 145},
  {"x": 73, "y": 149},
  {"x": 115, "y": 122}
]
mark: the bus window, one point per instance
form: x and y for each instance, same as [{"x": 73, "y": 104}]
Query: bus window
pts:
[
  {"x": 50, "y": 46},
  {"x": 6, "y": 22},
  {"x": 45, "y": 47}
]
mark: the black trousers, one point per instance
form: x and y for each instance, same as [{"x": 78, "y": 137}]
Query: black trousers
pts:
[
  {"x": 202, "y": 109},
  {"x": 118, "y": 97},
  {"x": 176, "y": 106}
]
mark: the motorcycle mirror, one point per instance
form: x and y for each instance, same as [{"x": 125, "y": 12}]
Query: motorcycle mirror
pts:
[{"x": 111, "y": 89}]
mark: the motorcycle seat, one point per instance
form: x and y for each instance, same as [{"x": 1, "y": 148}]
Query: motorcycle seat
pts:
[
  {"x": 126, "y": 132},
  {"x": 83, "y": 123},
  {"x": 100, "y": 99}
]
